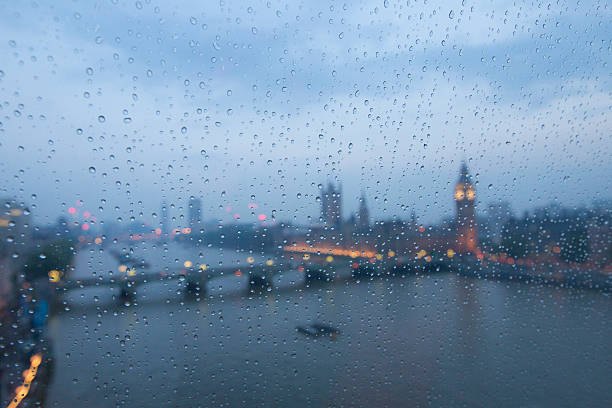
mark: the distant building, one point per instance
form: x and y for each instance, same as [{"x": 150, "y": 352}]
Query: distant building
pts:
[
  {"x": 15, "y": 238},
  {"x": 497, "y": 215},
  {"x": 599, "y": 230},
  {"x": 331, "y": 206},
  {"x": 15, "y": 228},
  {"x": 195, "y": 214},
  {"x": 165, "y": 229},
  {"x": 363, "y": 215},
  {"x": 465, "y": 200}
]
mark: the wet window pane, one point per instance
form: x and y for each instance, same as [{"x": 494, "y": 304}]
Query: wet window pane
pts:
[{"x": 309, "y": 203}]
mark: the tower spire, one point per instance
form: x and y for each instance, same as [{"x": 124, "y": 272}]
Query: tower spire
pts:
[{"x": 465, "y": 197}]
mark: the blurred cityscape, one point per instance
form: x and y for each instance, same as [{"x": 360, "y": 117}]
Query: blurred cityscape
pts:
[
  {"x": 566, "y": 247},
  {"x": 568, "y": 239}
]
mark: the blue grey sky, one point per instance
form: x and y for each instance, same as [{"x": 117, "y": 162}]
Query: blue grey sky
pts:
[{"x": 123, "y": 104}]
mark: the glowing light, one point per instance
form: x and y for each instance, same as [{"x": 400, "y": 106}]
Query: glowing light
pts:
[
  {"x": 54, "y": 276},
  {"x": 470, "y": 194},
  {"x": 250, "y": 259},
  {"x": 428, "y": 258},
  {"x": 186, "y": 231},
  {"x": 158, "y": 231},
  {"x": 355, "y": 265},
  {"x": 238, "y": 273},
  {"x": 450, "y": 253},
  {"x": 261, "y": 217},
  {"x": 269, "y": 262},
  {"x": 187, "y": 264},
  {"x": 301, "y": 268},
  {"x": 28, "y": 375},
  {"x": 459, "y": 194},
  {"x": 378, "y": 257},
  {"x": 15, "y": 212},
  {"x": 306, "y": 257},
  {"x": 86, "y": 214},
  {"x": 329, "y": 258},
  {"x": 236, "y": 216},
  {"x": 353, "y": 253},
  {"x": 203, "y": 267},
  {"x": 421, "y": 228},
  {"x": 85, "y": 227},
  {"x": 98, "y": 240},
  {"x": 557, "y": 250},
  {"x": 72, "y": 210},
  {"x": 252, "y": 206},
  {"x": 122, "y": 268},
  {"x": 391, "y": 254},
  {"x": 35, "y": 360},
  {"x": 131, "y": 272},
  {"x": 421, "y": 254}
]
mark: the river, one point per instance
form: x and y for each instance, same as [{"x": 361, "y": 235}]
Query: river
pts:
[{"x": 437, "y": 340}]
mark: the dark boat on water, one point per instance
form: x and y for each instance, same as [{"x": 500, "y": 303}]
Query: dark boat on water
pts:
[{"x": 318, "y": 330}]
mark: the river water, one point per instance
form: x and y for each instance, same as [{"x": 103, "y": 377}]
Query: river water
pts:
[{"x": 437, "y": 340}]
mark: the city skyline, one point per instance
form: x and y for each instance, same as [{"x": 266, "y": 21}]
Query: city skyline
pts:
[{"x": 188, "y": 218}]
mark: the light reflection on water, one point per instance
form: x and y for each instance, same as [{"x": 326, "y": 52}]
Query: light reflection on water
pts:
[{"x": 436, "y": 340}]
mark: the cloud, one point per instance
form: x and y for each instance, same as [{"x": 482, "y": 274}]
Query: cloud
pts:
[{"x": 270, "y": 100}]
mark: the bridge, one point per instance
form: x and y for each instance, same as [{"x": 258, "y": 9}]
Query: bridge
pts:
[
  {"x": 260, "y": 276},
  {"x": 323, "y": 268}
]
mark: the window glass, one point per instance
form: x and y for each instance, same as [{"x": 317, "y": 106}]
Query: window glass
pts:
[{"x": 305, "y": 203}]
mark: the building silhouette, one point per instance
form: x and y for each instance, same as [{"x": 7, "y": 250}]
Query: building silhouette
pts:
[
  {"x": 195, "y": 214},
  {"x": 331, "y": 206},
  {"x": 497, "y": 215},
  {"x": 164, "y": 219},
  {"x": 363, "y": 215},
  {"x": 465, "y": 200}
]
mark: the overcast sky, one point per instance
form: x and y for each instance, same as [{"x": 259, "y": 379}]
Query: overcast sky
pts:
[{"x": 123, "y": 104}]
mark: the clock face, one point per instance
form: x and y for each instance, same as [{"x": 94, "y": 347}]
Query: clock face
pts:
[
  {"x": 470, "y": 194},
  {"x": 459, "y": 194}
]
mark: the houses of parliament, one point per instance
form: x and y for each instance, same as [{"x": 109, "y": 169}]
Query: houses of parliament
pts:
[{"x": 357, "y": 233}]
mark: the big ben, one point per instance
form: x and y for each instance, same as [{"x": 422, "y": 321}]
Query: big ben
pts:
[{"x": 465, "y": 198}]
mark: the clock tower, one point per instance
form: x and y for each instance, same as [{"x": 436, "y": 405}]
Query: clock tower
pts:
[{"x": 465, "y": 198}]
